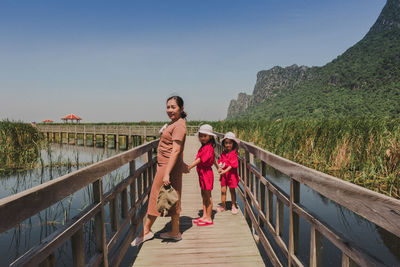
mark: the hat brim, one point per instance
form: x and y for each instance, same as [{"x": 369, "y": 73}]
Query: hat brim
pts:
[
  {"x": 204, "y": 132},
  {"x": 237, "y": 141}
]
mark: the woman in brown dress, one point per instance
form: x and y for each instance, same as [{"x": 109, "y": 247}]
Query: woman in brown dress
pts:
[{"x": 170, "y": 167}]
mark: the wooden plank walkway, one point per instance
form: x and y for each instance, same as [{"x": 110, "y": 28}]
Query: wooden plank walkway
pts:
[{"x": 228, "y": 242}]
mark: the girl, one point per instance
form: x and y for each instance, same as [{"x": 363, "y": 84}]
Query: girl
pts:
[
  {"x": 204, "y": 160},
  {"x": 228, "y": 163}
]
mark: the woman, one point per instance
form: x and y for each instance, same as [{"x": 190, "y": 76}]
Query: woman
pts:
[{"x": 170, "y": 167}]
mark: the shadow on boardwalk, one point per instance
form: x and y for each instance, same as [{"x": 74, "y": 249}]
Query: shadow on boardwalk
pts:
[{"x": 229, "y": 242}]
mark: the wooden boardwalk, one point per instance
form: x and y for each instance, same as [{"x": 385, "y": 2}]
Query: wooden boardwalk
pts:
[{"x": 228, "y": 242}]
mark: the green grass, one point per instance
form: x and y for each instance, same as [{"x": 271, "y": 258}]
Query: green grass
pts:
[
  {"x": 20, "y": 145},
  {"x": 364, "y": 151}
]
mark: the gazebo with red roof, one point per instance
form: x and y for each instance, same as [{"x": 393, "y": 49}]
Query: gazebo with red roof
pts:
[
  {"x": 47, "y": 121},
  {"x": 71, "y": 117}
]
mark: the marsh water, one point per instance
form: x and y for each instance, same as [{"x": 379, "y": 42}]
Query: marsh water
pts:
[
  {"x": 58, "y": 160},
  {"x": 371, "y": 239}
]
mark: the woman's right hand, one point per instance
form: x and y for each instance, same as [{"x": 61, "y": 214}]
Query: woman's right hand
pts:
[{"x": 166, "y": 180}]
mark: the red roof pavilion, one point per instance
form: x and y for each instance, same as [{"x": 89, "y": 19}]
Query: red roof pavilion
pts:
[
  {"x": 47, "y": 121},
  {"x": 71, "y": 117}
]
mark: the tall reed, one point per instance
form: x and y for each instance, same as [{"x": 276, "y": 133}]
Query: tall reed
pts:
[
  {"x": 364, "y": 151},
  {"x": 20, "y": 145}
]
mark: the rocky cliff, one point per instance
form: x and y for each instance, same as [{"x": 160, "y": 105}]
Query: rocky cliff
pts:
[
  {"x": 363, "y": 81},
  {"x": 269, "y": 84}
]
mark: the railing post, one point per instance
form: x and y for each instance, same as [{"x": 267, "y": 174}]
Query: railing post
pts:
[
  {"x": 261, "y": 195},
  {"x": 150, "y": 169},
  {"x": 246, "y": 183},
  {"x": 78, "y": 249},
  {"x": 124, "y": 203},
  {"x": 279, "y": 217},
  {"x": 50, "y": 261},
  {"x": 293, "y": 220},
  {"x": 347, "y": 262},
  {"x": 132, "y": 170},
  {"x": 315, "y": 248},
  {"x": 114, "y": 216},
  {"x": 100, "y": 229}
]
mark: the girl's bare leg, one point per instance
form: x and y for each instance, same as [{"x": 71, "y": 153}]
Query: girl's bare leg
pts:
[
  {"x": 233, "y": 196},
  {"x": 223, "y": 197},
  {"x": 204, "y": 205},
  {"x": 208, "y": 205}
]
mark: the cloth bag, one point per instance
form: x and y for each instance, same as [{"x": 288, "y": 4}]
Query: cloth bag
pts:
[{"x": 167, "y": 199}]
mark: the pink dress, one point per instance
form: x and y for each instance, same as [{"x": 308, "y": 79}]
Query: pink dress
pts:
[
  {"x": 231, "y": 178},
  {"x": 206, "y": 175},
  {"x": 175, "y": 131}
]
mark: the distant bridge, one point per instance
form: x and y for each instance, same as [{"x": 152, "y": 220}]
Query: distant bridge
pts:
[
  {"x": 263, "y": 211},
  {"x": 88, "y": 134}
]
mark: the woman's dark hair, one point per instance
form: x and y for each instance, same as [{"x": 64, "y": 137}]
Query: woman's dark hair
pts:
[
  {"x": 179, "y": 102},
  {"x": 235, "y": 145}
]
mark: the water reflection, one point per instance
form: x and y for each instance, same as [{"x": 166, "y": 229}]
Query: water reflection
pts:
[
  {"x": 56, "y": 160},
  {"x": 370, "y": 238}
]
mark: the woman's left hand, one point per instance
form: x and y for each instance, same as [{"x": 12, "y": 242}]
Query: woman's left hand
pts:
[
  {"x": 166, "y": 180},
  {"x": 186, "y": 168}
]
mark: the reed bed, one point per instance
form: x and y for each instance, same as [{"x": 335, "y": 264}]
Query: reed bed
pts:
[
  {"x": 20, "y": 145},
  {"x": 364, "y": 151}
]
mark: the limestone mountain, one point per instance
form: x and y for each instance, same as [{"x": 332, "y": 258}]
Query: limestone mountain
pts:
[{"x": 364, "y": 80}]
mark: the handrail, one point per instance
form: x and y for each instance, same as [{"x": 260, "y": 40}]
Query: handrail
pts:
[
  {"x": 25, "y": 204},
  {"x": 382, "y": 210}
]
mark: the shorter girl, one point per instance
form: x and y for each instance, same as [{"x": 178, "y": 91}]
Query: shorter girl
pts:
[
  {"x": 228, "y": 163},
  {"x": 204, "y": 160}
]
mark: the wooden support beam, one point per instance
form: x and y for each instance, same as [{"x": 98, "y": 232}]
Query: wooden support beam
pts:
[
  {"x": 78, "y": 249},
  {"x": 100, "y": 229},
  {"x": 315, "y": 248},
  {"x": 124, "y": 203},
  {"x": 114, "y": 216},
  {"x": 50, "y": 261},
  {"x": 293, "y": 221}
]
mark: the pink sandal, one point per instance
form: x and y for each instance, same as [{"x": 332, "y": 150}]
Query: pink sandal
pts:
[
  {"x": 204, "y": 223},
  {"x": 196, "y": 220}
]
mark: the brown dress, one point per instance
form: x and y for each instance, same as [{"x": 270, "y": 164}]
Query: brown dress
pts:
[{"x": 175, "y": 131}]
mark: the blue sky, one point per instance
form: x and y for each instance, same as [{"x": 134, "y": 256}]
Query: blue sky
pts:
[{"x": 120, "y": 60}]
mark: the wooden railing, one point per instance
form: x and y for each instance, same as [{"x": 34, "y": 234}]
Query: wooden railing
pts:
[
  {"x": 19, "y": 207},
  {"x": 108, "y": 129},
  {"x": 258, "y": 192}
]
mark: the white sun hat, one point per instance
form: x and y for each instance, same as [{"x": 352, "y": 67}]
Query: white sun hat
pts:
[
  {"x": 206, "y": 129},
  {"x": 230, "y": 135}
]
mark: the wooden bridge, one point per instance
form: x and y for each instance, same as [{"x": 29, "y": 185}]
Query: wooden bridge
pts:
[
  {"x": 128, "y": 136},
  {"x": 262, "y": 220}
]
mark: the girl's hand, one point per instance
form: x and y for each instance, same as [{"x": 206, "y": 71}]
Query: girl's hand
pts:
[{"x": 166, "y": 180}]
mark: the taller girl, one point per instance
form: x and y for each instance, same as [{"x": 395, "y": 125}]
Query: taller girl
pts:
[
  {"x": 204, "y": 160},
  {"x": 170, "y": 167}
]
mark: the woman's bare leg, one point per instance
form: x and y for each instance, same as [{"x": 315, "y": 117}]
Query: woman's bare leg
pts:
[
  {"x": 148, "y": 224},
  {"x": 175, "y": 225}
]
